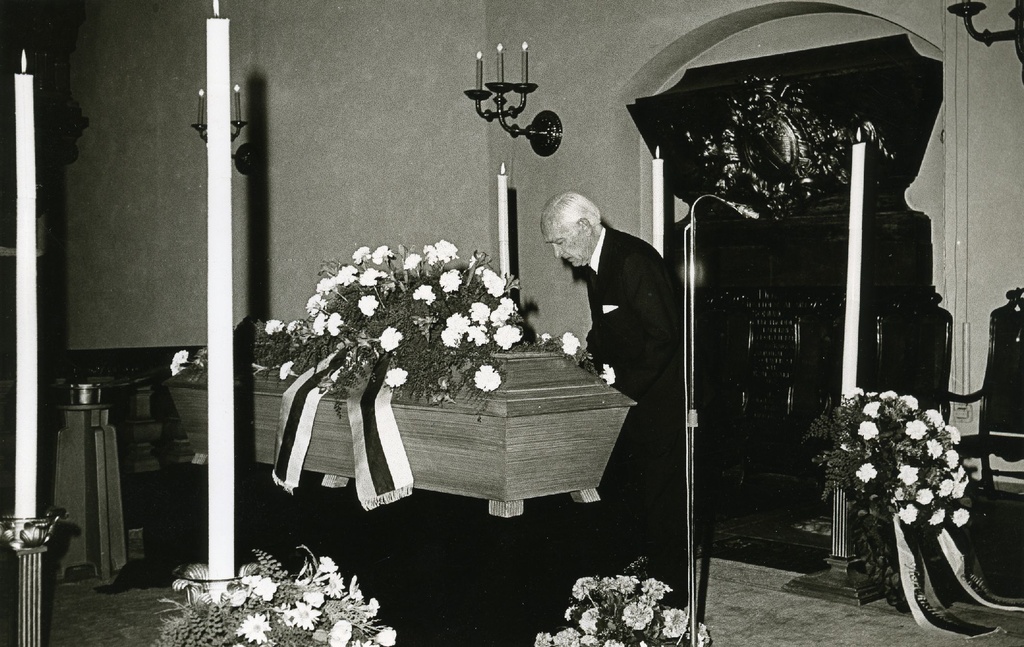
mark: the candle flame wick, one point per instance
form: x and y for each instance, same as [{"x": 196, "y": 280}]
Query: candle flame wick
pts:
[
  {"x": 657, "y": 152},
  {"x": 216, "y": 8},
  {"x": 24, "y": 62},
  {"x": 237, "y": 88},
  {"x": 479, "y": 55},
  {"x": 502, "y": 171},
  {"x": 202, "y": 92},
  {"x": 525, "y": 45},
  {"x": 500, "y": 47}
]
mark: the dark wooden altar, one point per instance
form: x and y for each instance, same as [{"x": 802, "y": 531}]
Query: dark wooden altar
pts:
[{"x": 771, "y": 290}]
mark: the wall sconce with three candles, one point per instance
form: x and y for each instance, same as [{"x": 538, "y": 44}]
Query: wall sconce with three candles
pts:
[{"x": 544, "y": 134}]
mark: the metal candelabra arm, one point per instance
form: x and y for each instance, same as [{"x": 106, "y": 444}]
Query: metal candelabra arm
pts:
[
  {"x": 544, "y": 133},
  {"x": 968, "y": 10}
]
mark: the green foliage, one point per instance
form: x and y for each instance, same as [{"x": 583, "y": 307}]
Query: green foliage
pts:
[{"x": 267, "y": 605}]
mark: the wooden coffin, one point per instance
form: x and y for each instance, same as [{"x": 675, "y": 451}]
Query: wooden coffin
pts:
[{"x": 548, "y": 429}]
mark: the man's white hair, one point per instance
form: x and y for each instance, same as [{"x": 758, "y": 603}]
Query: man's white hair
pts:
[{"x": 570, "y": 205}]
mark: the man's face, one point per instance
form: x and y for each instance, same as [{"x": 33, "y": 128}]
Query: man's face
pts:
[{"x": 572, "y": 239}]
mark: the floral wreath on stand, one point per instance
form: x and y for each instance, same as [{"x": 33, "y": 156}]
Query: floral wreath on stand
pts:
[
  {"x": 776, "y": 154},
  {"x": 892, "y": 459}
]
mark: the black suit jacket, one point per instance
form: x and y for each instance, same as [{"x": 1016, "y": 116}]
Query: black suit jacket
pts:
[{"x": 635, "y": 316}]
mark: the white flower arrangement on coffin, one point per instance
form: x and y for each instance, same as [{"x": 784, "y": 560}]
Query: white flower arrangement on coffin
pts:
[
  {"x": 622, "y": 611},
  {"x": 441, "y": 327},
  {"x": 266, "y": 605}
]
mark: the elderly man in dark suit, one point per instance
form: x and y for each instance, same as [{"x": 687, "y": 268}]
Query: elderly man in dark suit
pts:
[{"x": 635, "y": 330}]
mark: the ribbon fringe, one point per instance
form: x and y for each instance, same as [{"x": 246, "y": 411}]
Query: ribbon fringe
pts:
[
  {"x": 928, "y": 612},
  {"x": 387, "y": 497}
]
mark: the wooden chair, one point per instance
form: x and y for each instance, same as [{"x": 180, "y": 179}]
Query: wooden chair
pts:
[{"x": 1001, "y": 420}]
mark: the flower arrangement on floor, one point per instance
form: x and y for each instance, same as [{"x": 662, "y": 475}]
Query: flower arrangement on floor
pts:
[
  {"x": 892, "y": 458},
  {"x": 269, "y": 606},
  {"x": 439, "y": 325},
  {"x": 622, "y": 611}
]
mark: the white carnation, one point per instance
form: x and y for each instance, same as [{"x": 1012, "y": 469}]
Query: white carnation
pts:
[
  {"x": 954, "y": 434},
  {"x": 910, "y": 401},
  {"x": 396, "y": 377},
  {"x": 178, "y": 362},
  {"x": 908, "y": 474},
  {"x": 871, "y": 409},
  {"x": 570, "y": 343},
  {"x": 274, "y": 326},
  {"x": 458, "y": 322},
  {"x": 866, "y": 472},
  {"x": 494, "y": 284},
  {"x": 347, "y": 275},
  {"x": 868, "y": 430},
  {"x": 506, "y": 336},
  {"x": 935, "y": 418},
  {"x": 479, "y": 312},
  {"x": 450, "y": 281},
  {"x": 451, "y": 337},
  {"x": 326, "y": 284},
  {"x": 412, "y": 261},
  {"x": 486, "y": 378},
  {"x": 368, "y": 304},
  {"x": 908, "y": 514},
  {"x": 361, "y": 255},
  {"x": 925, "y": 496},
  {"x": 424, "y": 293},
  {"x": 334, "y": 324},
  {"x": 381, "y": 254},
  {"x": 608, "y": 374},
  {"x": 960, "y": 517},
  {"x": 952, "y": 459},
  {"x": 390, "y": 338},
  {"x": 478, "y": 335},
  {"x": 315, "y": 304},
  {"x": 937, "y": 517},
  {"x": 320, "y": 324},
  {"x": 887, "y": 395},
  {"x": 916, "y": 429},
  {"x": 934, "y": 448}
]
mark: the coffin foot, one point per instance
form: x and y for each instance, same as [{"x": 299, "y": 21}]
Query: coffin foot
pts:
[
  {"x": 589, "y": 495},
  {"x": 505, "y": 509},
  {"x": 334, "y": 481}
]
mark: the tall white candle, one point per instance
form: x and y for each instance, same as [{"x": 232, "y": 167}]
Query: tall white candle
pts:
[
  {"x": 504, "y": 255},
  {"x": 851, "y": 330},
  {"x": 658, "y": 201},
  {"x": 26, "y": 364},
  {"x": 220, "y": 320}
]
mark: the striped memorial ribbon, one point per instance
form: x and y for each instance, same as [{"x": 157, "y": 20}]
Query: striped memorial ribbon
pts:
[
  {"x": 928, "y": 611},
  {"x": 383, "y": 474},
  {"x": 382, "y": 470}
]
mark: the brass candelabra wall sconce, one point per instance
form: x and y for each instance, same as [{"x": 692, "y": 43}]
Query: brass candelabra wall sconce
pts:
[
  {"x": 544, "y": 133},
  {"x": 245, "y": 156},
  {"x": 968, "y": 10}
]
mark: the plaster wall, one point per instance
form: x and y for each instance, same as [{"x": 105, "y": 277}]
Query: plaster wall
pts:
[{"x": 371, "y": 141}]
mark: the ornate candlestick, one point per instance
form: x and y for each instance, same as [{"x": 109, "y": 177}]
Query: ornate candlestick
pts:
[{"x": 27, "y": 537}]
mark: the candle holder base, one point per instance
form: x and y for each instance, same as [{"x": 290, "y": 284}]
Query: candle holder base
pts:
[
  {"x": 24, "y": 533},
  {"x": 27, "y": 537}
]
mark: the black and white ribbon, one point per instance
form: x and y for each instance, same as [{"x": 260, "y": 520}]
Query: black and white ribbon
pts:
[{"x": 928, "y": 611}]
